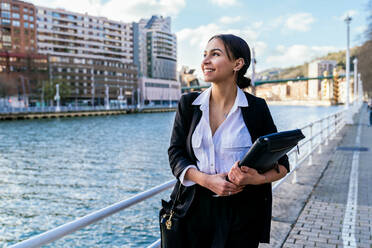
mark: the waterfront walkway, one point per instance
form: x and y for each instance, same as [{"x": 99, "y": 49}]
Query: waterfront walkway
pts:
[{"x": 331, "y": 203}]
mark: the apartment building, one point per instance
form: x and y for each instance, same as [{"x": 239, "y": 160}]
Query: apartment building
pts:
[
  {"x": 157, "y": 55},
  {"x": 317, "y": 69},
  {"x": 89, "y": 54},
  {"x": 21, "y": 68}
]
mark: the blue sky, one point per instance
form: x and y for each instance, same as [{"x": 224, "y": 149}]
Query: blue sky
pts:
[{"x": 283, "y": 33}]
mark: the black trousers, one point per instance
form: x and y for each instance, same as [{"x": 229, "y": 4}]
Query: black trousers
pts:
[{"x": 221, "y": 222}]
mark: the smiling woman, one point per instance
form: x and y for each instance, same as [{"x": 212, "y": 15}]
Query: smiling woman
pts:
[{"x": 211, "y": 131}]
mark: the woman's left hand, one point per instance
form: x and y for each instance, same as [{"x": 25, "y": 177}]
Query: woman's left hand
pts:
[{"x": 245, "y": 175}]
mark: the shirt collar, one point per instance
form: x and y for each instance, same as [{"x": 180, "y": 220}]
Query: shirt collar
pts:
[{"x": 203, "y": 99}]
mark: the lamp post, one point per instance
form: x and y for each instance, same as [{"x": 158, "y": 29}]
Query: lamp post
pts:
[
  {"x": 360, "y": 89},
  {"x": 349, "y": 118},
  {"x": 107, "y": 99},
  {"x": 57, "y": 99},
  {"x": 92, "y": 89},
  {"x": 120, "y": 97},
  {"x": 253, "y": 72},
  {"x": 355, "y": 95}
]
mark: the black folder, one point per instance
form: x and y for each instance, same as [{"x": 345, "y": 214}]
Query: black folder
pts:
[{"x": 266, "y": 150}]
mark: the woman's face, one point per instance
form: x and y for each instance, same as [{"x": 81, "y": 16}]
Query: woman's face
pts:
[{"x": 216, "y": 65}]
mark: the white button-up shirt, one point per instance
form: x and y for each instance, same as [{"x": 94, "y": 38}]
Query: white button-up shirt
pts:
[{"x": 217, "y": 154}]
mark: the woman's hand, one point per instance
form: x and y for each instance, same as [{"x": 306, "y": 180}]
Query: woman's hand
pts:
[
  {"x": 245, "y": 175},
  {"x": 218, "y": 184}
]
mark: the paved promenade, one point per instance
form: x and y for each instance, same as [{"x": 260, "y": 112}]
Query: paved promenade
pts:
[{"x": 331, "y": 205}]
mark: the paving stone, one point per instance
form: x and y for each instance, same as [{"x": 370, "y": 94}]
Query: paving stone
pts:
[{"x": 325, "y": 186}]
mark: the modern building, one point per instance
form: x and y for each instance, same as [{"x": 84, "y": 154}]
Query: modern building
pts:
[
  {"x": 92, "y": 58},
  {"x": 22, "y": 70},
  {"x": 317, "y": 69},
  {"x": 18, "y": 27},
  {"x": 89, "y": 54},
  {"x": 156, "y": 57},
  {"x": 159, "y": 91}
]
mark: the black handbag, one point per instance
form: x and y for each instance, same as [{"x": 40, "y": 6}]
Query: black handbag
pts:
[
  {"x": 266, "y": 150},
  {"x": 170, "y": 223}
]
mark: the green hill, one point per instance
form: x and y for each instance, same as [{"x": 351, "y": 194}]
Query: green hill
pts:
[{"x": 302, "y": 70}]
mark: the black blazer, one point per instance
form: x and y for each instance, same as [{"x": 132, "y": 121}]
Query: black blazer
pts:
[{"x": 259, "y": 122}]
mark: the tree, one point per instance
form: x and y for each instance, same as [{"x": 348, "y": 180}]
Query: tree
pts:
[
  {"x": 49, "y": 89},
  {"x": 365, "y": 56}
]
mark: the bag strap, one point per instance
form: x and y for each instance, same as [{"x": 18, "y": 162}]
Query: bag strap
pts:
[{"x": 177, "y": 196}]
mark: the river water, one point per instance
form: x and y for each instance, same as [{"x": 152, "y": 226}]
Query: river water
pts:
[{"x": 55, "y": 170}]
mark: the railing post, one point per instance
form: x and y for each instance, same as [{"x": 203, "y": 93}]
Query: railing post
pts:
[
  {"x": 294, "y": 178},
  {"x": 327, "y": 131},
  {"x": 321, "y": 137},
  {"x": 311, "y": 145}
]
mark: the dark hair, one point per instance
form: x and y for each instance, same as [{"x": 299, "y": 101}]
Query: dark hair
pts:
[{"x": 237, "y": 48}]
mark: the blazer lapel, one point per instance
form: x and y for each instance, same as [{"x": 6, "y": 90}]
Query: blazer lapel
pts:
[
  {"x": 250, "y": 119},
  {"x": 196, "y": 116}
]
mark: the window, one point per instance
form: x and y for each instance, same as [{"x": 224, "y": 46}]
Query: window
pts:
[
  {"x": 16, "y": 23},
  {"x": 54, "y": 14},
  {"x": 7, "y": 38},
  {"x": 31, "y": 25},
  {"x": 25, "y": 24},
  {"x": 25, "y": 17},
  {"x": 31, "y": 18},
  {"x": 5, "y": 22},
  {"x": 15, "y": 7},
  {"x": 5, "y": 6},
  {"x": 25, "y": 10},
  {"x": 5, "y": 14},
  {"x": 15, "y": 15}
]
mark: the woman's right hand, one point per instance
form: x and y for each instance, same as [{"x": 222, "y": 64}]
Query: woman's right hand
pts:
[{"x": 218, "y": 184}]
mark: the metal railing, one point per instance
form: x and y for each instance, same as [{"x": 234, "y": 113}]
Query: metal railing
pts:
[{"x": 327, "y": 129}]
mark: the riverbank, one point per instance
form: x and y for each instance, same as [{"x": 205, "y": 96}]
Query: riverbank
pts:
[
  {"x": 80, "y": 113},
  {"x": 300, "y": 103}
]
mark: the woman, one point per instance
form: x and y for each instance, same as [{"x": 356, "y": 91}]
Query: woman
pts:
[{"x": 211, "y": 132}]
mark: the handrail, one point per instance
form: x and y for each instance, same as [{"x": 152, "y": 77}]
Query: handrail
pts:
[
  {"x": 58, "y": 232},
  {"x": 338, "y": 115}
]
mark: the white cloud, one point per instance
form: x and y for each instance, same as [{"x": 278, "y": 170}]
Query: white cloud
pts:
[
  {"x": 229, "y": 19},
  {"x": 200, "y": 35},
  {"x": 277, "y": 22},
  {"x": 257, "y": 25},
  {"x": 127, "y": 11},
  {"x": 300, "y": 22},
  {"x": 297, "y": 54},
  {"x": 191, "y": 42},
  {"x": 223, "y": 3},
  {"x": 361, "y": 29}
]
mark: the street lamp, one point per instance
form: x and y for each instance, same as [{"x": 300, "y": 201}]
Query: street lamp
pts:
[
  {"x": 360, "y": 93},
  {"x": 253, "y": 79},
  {"x": 355, "y": 95},
  {"x": 107, "y": 98},
  {"x": 349, "y": 118},
  {"x": 57, "y": 98}
]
